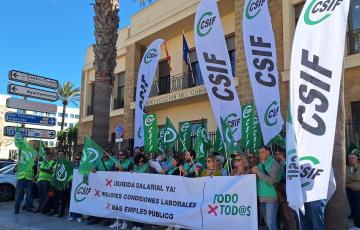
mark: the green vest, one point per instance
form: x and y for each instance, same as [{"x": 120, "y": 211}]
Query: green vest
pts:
[
  {"x": 171, "y": 171},
  {"x": 264, "y": 189},
  {"x": 25, "y": 174},
  {"x": 125, "y": 164},
  {"x": 45, "y": 176},
  {"x": 143, "y": 169},
  {"x": 109, "y": 164}
]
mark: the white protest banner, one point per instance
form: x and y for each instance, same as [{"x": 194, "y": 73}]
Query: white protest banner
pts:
[
  {"x": 192, "y": 203},
  {"x": 315, "y": 76},
  {"x": 215, "y": 66},
  {"x": 145, "y": 79},
  {"x": 260, "y": 50}
]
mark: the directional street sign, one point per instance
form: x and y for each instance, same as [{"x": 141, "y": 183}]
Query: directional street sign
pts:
[
  {"x": 29, "y": 119},
  {"x": 16, "y": 103},
  {"x": 32, "y": 133},
  {"x": 32, "y": 92},
  {"x": 32, "y": 79}
]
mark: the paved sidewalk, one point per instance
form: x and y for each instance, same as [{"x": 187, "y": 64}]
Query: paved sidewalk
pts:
[{"x": 38, "y": 221}]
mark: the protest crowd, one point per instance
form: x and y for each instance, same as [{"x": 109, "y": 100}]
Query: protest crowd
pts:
[{"x": 269, "y": 167}]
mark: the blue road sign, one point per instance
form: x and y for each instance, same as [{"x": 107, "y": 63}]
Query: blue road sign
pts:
[
  {"x": 29, "y": 119},
  {"x": 119, "y": 130}
]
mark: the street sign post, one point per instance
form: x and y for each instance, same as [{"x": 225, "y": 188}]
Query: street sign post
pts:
[
  {"x": 33, "y": 79},
  {"x": 32, "y": 133},
  {"x": 22, "y": 104},
  {"x": 29, "y": 119},
  {"x": 32, "y": 92},
  {"x": 119, "y": 133}
]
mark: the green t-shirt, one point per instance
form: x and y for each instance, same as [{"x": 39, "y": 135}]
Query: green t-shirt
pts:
[
  {"x": 106, "y": 165},
  {"x": 143, "y": 169}
]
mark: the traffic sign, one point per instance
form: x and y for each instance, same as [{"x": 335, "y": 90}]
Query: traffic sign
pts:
[
  {"x": 32, "y": 79},
  {"x": 119, "y": 130},
  {"x": 29, "y": 119},
  {"x": 32, "y": 133},
  {"x": 32, "y": 92},
  {"x": 16, "y": 103}
]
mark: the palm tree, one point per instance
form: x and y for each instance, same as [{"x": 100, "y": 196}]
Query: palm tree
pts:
[
  {"x": 106, "y": 22},
  {"x": 336, "y": 216},
  {"x": 67, "y": 94}
]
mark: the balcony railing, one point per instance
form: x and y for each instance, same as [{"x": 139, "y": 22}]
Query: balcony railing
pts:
[
  {"x": 353, "y": 41},
  {"x": 171, "y": 84}
]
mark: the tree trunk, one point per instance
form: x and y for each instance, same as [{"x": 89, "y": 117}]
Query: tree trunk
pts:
[
  {"x": 63, "y": 117},
  {"x": 336, "y": 214},
  {"x": 106, "y": 26}
]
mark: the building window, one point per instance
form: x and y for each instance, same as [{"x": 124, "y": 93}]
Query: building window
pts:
[
  {"x": 76, "y": 116},
  {"x": 196, "y": 124},
  {"x": 355, "y": 110},
  {"x": 89, "y": 109},
  {"x": 60, "y": 114},
  {"x": 59, "y": 123},
  {"x": 71, "y": 125},
  {"x": 120, "y": 95},
  {"x": 195, "y": 69},
  {"x": 298, "y": 9},
  {"x": 72, "y": 115},
  {"x": 66, "y": 124},
  {"x": 164, "y": 77},
  {"x": 66, "y": 115},
  {"x": 230, "y": 42},
  {"x": 354, "y": 27}
]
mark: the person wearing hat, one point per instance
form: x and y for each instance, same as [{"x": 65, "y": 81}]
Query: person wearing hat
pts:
[
  {"x": 353, "y": 187},
  {"x": 220, "y": 160},
  {"x": 46, "y": 169}
]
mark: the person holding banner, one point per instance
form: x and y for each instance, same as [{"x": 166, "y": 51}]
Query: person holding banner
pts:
[
  {"x": 177, "y": 162},
  {"x": 123, "y": 164},
  {"x": 75, "y": 216},
  {"x": 191, "y": 167},
  {"x": 241, "y": 165},
  {"x": 46, "y": 168},
  {"x": 353, "y": 187},
  {"x": 210, "y": 167},
  {"x": 141, "y": 166},
  {"x": 267, "y": 173}
]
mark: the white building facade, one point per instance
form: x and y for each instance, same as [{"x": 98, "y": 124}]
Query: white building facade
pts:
[{"x": 7, "y": 146}]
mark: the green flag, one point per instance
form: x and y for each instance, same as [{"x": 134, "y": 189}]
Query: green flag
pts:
[
  {"x": 27, "y": 157},
  {"x": 42, "y": 151},
  {"x": 203, "y": 143},
  {"x": 91, "y": 155},
  {"x": 150, "y": 133},
  {"x": 18, "y": 138},
  {"x": 278, "y": 140},
  {"x": 170, "y": 136},
  {"x": 231, "y": 146},
  {"x": 248, "y": 127},
  {"x": 184, "y": 136},
  {"x": 257, "y": 136},
  {"x": 351, "y": 148},
  {"x": 219, "y": 144},
  {"x": 63, "y": 171},
  {"x": 160, "y": 140}
]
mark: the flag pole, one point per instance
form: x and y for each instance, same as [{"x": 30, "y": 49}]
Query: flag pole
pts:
[{"x": 186, "y": 150}]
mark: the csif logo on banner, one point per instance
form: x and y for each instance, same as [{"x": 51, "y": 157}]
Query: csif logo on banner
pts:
[
  {"x": 308, "y": 170},
  {"x": 185, "y": 126},
  {"x": 204, "y": 25},
  {"x": 91, "y": 153},
  {"x": 247, "y": 111},
  {"x": 271, "y": 113},
  {"x": 319, "y": 11},
  {"x": 143, "y": 88},
  {"x": 253, "y": 8},
  {"x": 81, "y": 192},
  {"x": 150, "y": 55},
  {"x": 169, "y": 135},
  {"x": 228, "y": 205}
]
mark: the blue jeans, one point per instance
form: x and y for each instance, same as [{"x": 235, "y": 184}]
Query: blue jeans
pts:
[
  {"x": 314, "y": 216},
  {"x": 269, "y": 211},
  {"x": 23, "y": 186},
  {"x": 43, "y": 189}
]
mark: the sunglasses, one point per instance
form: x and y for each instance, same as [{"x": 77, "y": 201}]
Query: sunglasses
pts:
[
  {"x": 239, "y": 159},
  {"x": 77, "y": 159},
  {"x": 120, "y": 155}
]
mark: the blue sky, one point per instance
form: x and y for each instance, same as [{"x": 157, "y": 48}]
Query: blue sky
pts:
[{"x": 49, "y": 37}]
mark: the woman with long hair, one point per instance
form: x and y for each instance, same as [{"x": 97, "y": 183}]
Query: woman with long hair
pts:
[
  {"x": 211, "y": 169},
  {"x": 241, "y": 165}
]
